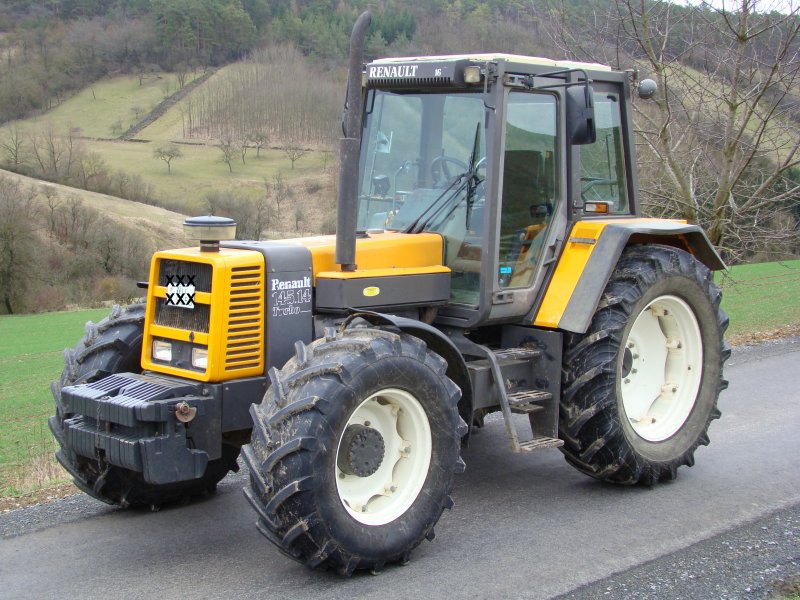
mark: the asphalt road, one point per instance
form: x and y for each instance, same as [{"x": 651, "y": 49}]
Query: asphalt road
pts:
[{"x": 523, "y": 526}]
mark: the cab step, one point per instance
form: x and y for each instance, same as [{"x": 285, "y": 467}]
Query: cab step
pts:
[
  {"x": 541, "y": 442},
  {"x": 526, "y": 402},
  {"x": 517, "y": 353}
]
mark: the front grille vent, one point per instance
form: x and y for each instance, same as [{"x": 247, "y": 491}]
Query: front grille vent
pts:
[
  {"x": 244, "y": 348},
  {"x": 179, "y": 270},
  {"x": 191, "y": 319}
]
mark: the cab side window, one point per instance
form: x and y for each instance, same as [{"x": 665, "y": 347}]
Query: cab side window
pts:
[
  {"x": 603, "y": 175},
  {"x": 530, "y": 184}
]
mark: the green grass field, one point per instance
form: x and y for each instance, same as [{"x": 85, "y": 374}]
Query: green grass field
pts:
[
  {"x": 94, "y": 110},
  {"x": 199, "y": 171},
  {"x": 761, "y": 297},
  {"x": 757, "y": 298},
  {"x": 31, "y": 350}
]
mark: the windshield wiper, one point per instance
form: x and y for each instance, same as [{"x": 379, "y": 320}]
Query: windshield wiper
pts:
[
  {"x": 474, "y": 181},
  {"x": 424, "y": 218},
  {"x": 468, "y": 179}
]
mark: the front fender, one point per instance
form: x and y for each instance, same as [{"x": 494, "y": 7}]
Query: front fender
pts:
[{"x": 439, "y": 343}]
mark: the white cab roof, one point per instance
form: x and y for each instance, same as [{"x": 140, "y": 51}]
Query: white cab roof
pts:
[{"x": 483, "y": 57}]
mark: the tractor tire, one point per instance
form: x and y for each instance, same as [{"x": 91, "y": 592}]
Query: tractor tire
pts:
[
  {"x": 354, "y": 450},
  {"x": 640, "y": 387},
  {"x": 114, "y": 345}
]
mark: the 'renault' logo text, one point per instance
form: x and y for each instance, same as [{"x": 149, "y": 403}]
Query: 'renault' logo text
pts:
[
  {"x": 292, "y": 284},
  {"x": 392, "y": 71}
]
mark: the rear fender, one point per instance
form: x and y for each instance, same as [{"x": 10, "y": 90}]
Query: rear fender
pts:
[{"x": 590, "y": 256}]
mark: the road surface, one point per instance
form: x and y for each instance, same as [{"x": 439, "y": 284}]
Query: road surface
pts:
[{"x": 522, "y": 527}]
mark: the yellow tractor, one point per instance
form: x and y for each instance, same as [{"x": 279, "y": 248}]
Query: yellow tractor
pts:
[{"x": 490, "y": 257}]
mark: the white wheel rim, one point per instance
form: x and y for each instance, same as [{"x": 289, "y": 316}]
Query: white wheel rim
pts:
[
  {"x": 390, "y": 491},
  {"x": 660, "y": 366}
]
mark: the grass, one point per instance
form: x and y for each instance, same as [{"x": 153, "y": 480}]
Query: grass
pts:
[
  {"x": 200, "y": 171},
  {"x": 761, "y": 297},
  {"x": 170, "y": 125},
  {"x": 92, "y": 113},
  {"x": 94, "y": 110},
  {"x": 757, "y": 298},
  {"x": 31, "y": 350}
]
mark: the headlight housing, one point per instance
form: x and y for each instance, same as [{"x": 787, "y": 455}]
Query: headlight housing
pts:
[
  {"x": 200, "y": 358},
  {"x": 162, "y": 351}
]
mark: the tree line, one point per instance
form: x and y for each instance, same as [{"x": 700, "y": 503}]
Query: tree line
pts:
[
  {"x": 57, "y": 251},
  {"x": 60, "y": 156}
]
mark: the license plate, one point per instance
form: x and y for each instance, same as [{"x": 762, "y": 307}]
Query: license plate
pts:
[{"x": 180, "y": 292}]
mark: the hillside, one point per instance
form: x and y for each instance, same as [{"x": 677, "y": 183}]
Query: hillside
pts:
[{"x": 163, "y": 227}]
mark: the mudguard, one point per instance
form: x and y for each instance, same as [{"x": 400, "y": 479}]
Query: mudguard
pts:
[
  {"x": 436, "y": 341},
  {"x": 590, "y": 256}
]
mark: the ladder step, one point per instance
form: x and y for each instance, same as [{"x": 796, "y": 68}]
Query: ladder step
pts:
[
  {"x": 542, "y": 442},
  {"x": 517, "y": 353},
  {"x": 529, "y": 397},
  {"x": 525, "y": 409}
]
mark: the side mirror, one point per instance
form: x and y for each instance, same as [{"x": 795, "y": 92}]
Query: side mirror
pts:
[{"x": 580, "y": 115}]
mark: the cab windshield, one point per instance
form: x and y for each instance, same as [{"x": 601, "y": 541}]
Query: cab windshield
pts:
[{"x": 422, "y": 169}]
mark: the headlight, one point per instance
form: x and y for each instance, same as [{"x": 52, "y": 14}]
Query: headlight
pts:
[
  {"x": 200, "y": 358},
  {"x": 162, "y": 351}
]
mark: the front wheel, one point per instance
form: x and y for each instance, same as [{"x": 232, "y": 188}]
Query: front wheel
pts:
[
  {"x": 114, "y": 345},
  {"x": 354, "y": 449},
  {"x": 641, "y": 385}
]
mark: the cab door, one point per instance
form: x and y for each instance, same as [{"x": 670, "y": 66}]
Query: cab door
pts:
[{"x": 531, "y": 198}]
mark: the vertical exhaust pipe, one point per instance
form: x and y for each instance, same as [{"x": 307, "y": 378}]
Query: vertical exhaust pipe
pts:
[{"x": 349, "y": 147}]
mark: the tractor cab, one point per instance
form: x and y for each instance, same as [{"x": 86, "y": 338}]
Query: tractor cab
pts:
[{"x": 498, "y": 154}]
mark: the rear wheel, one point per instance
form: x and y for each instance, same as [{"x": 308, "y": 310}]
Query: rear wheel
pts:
[
  {"x": 641, "y": 385},
  {"x": 114, "y": 345},
  {"x": 354, "y": 449}
]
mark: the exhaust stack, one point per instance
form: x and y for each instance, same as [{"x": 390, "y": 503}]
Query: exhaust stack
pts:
[{"x": 349, "y": 147}]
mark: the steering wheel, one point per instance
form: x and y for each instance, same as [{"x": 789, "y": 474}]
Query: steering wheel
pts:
[
  {"x": 440, "y": 173},
  {"x": 439, "y": 168}
]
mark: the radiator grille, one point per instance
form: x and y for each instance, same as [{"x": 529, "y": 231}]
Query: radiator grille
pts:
[
  {"x": 190, "y": 319},
  {"x": 200, "y": 273},
  {"x": 244, "y": 347}
]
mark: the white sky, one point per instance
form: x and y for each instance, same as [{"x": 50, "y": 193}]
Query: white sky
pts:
[{"x": 782, "y": 6}]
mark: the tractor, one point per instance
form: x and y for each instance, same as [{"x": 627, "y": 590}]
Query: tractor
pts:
[{"x": 490, "y": 257}]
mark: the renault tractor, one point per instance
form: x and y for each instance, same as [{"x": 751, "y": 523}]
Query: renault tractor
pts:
[{"x": 490, "y": 257}]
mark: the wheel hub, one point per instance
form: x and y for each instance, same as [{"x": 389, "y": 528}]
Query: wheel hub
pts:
[
  {"x": 361, "y": 451},
  {"x": 383, "y": 456},
  {"x": 660, "y": 368}
]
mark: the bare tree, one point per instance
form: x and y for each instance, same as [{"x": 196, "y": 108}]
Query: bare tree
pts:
[
  {"x": 293, "y": 151},
  {"x": 262, "y": 215},
  {"x": 259, "y": 139},
  {"x": 89, "y": 166},
  {"x": 229, "y": 150},
  {"x": 168, "y": 153},
  {"x": 12, "y": 142},
  {"x": 242, "y": 150},
  {"x": 53, "y": 200},
  {"x": 181, "y": 72},
  {"x": 328, "y": 158},
  {"x": 722, "y": 125},
  {"x": 299, "y": 215},
  {"x": 17, "y": 244},
  {"x": 718, "y": 144},
  {"x": 280, "y": 189},
  {"x": 54, "y": 153}
]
